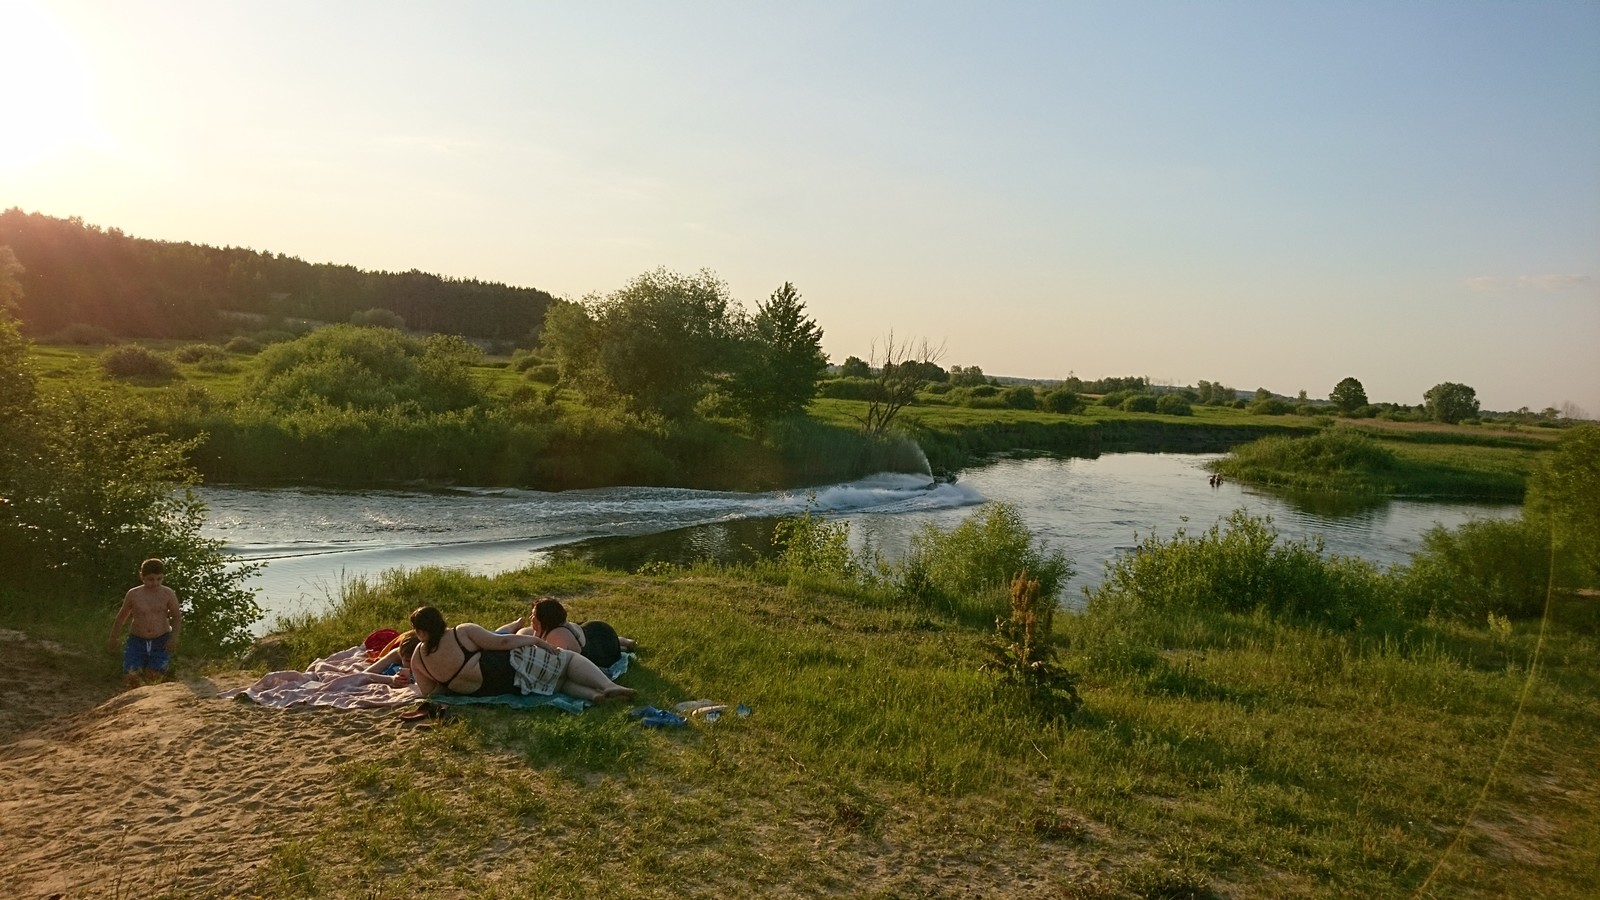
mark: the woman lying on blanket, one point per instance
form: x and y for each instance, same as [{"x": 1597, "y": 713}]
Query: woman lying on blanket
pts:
[{"x": 470, "y": 659}]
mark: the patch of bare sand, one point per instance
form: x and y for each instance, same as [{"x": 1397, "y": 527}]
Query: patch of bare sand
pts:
[{"x": 159, "y": 789}]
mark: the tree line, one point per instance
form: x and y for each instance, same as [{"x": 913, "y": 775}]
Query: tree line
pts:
[{"x": 76, "y": 274}]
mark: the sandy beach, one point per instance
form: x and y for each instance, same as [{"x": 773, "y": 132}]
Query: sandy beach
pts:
[{"x": 157, "y": 790}]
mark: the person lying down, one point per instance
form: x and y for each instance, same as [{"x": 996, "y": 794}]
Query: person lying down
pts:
[{"x": 471, "y": 660}]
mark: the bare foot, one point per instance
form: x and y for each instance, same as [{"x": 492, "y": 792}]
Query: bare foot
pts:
[{"x": 612, "y": 693}]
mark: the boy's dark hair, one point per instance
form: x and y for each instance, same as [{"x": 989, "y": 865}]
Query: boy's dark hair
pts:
[
  {"x": 152, "y": 566},
  {"x": 550, "y": 613}
]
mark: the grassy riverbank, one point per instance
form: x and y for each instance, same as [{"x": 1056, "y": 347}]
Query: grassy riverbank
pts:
[
  {"x": 1372, "y": 460},
  {"x": 1250, "y": 757}
]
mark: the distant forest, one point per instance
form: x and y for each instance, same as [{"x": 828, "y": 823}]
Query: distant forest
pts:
[{"x": 140, "y": 288}]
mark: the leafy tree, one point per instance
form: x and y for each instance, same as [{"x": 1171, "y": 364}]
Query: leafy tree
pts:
[
  {"x": 10, "y": 287},
  {"x": 1348, "y": 395},
  {"x": 1262, "y": 394},
  {"x": 855, "y": 367},
  {"x": 781, "y": 359},
  {"x": 1449, "y": 402},
  {"x": 1565, "y": 494},
  {"x": 655, "y": 345},
  {"x": 86, "y": 493},
  {"x": 969, "y": 376}
]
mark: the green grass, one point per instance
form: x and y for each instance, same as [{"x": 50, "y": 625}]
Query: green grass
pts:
[
  {"x": 1249, "y": 757},
  {"x": 1391, "y": 462}
]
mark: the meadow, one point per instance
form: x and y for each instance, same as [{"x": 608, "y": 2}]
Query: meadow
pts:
[{"x": 1246, "y": 752}]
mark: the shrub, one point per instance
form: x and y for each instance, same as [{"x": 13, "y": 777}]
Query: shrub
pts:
[
  {"x": 523, "y": 360},
  {"x": 1173, "y": 405},
  {"x": 1270, "y": 406},
  {"x": 271, "y": 336},
  {"x": 1240, "y": 566},
  {"x": 544, "y": 373},
  {"x": 1062, "y": 400},
  {"x": 852, "y": 388},
  {"x": 983, "y": 390},
  {"x": 1022, "y": 651},
  {"x": 938, "y": 388},
  {"x": 967, "y": 570},
  {"x": 1022, "y": 397},
  {"x": 1140, "y": 403},
  {"x": 810, "y": 545},
  {"x": 243, "y": 345},
  {"x": 1494, "y": 566},
  {"x": 193, "y": 353},
  {"x": 1114, "y": 399},
  {"x": 134, "y": 361}
]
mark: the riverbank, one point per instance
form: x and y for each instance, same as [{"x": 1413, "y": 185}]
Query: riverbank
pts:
[{"x": 1254, "y": 758}]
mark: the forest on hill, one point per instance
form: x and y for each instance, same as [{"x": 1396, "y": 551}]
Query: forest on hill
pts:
[{"x": 79, "y": 274}]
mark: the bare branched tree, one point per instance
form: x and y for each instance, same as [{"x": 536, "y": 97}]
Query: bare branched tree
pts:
[{"x": 900, "y": 368}]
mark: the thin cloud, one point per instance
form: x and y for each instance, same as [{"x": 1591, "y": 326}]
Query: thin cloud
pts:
[{"x": 1555, "y": 282}]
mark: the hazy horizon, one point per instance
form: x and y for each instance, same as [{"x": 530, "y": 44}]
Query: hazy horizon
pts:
[{"x": 1260, "y": 194}]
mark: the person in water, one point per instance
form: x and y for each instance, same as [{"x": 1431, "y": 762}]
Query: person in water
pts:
[
  {"x": 596, "y": 640},
  {"x": 472, "y": 660}
]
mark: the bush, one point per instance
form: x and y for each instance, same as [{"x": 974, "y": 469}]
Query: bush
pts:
[
  {"x": 968, "y": 569},
  {"x": 1114, "y": 399},
  {"x": 83, "y": 334},
  {"x": 193, "y": 353},
  {"x": 1174, "y": 405},
  {"x": 1270, "y": 406},
  {"x": 134, "y": 361},
  {"x": 1062, "y": 400},
  {"x": 1499, "y": 566},
  {"x": 243, "y": 345},
  {"x": 983, "y": 390},
  {"x": 1020, "y": 398},
  {"x": 545, "y": 373},
  {"x": 1240, "y": 566},
  {"x": 1023, "y": 652},
  {"x": 272, "y": 336},
  {"x": 1140, "y": 403},
  {"x": 852, "y": 388}
]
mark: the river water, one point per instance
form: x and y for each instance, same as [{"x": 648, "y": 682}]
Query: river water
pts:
[{"x": 314, "y": 541}]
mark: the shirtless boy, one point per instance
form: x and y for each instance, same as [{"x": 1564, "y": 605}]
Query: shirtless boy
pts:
[{"x": 154, "y": 619}]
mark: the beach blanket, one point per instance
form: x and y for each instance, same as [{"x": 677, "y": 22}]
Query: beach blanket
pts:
[{"x": 338, "y": 681}]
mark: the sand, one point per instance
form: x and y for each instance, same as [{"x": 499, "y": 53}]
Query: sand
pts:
[{"x": 160, "y": 789}]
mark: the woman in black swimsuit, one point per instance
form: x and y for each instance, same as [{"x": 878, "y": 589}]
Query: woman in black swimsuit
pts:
[{"x": 472, "y": 660}]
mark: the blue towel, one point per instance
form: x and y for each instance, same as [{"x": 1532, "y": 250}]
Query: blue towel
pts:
[{"x": 529, "y": 701}]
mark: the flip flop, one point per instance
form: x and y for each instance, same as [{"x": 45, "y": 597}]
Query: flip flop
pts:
[{"x": 651, "y": 717}]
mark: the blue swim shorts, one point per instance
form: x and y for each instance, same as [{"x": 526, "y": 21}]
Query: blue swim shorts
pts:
[{"x": 146, "y": 654}]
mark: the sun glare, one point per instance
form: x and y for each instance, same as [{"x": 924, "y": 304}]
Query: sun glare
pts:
[{"x": 49, "y": 104}]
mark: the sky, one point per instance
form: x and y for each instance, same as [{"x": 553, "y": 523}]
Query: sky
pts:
[{"x": 1271, "y": 193}]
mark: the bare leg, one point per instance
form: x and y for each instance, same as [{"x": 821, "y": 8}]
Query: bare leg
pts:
[{"x": 586, "y": 677}]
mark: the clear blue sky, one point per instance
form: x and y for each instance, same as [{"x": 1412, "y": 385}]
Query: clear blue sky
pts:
[{"x": 1267, "y": 194}]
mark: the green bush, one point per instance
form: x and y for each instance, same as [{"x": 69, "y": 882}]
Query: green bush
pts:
[
  {"x": 243, "y": 345},
  {"x": 1022, "y": 397},
  {"x": 1499, "y": 566},
  {"x": 1241, "y": 566},
  {"x": 270, "y": 336},
  {"x": 368, "y": 368},
  {"x": 544, "y": 373},
  {"x": 1062, "y": 400},
  {"x": 194, "y": 353},
  {"x": 377, "y": 318},
  {"x": 1114, "y": 399},
  {"x": 1270, "y": 406},
  {"x": 967, "y": 570},
  {"x": 852, "y": 388},
  {"x": 1174, "y": 405},
  {"x": 1141, "y": 403},
  {"x": 134, "y": 361}
]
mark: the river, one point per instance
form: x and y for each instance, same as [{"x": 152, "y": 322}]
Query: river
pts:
[{"x": 313, "y": 541}]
